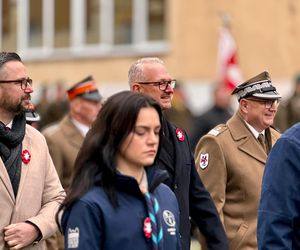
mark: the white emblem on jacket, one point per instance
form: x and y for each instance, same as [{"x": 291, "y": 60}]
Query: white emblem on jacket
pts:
[
  {"x": 73, "y": 237},
  {"x": 204, "y": 160},
  {"x": 169, "y": 219}
]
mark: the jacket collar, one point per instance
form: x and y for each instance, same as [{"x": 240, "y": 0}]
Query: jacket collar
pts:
[
  {"x": 26, "y": 144},
  {"x": 129, "y": 185},
  {"x": 245, "y": 139}
]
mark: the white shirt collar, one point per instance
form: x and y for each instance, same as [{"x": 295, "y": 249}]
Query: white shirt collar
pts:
[
  {"x": 81, "y": 127},
  {"x": 9, "y": 125},
  {"x": 254, "y": 131}
]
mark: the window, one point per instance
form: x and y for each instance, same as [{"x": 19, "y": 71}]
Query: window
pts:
[
  {"x": 40, "y": 29},
  {"x": 8, "y": 27},
  {"x": 123, "y": 22},
  {"x": 35, "y": 23},
  {"x": 93, "y": 22},
  {"x": 62, "y": 26},
  {"x": 156, "y": 19}
]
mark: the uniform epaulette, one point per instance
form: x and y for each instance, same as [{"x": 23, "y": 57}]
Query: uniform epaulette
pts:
[{"x": 218, "y": 130}]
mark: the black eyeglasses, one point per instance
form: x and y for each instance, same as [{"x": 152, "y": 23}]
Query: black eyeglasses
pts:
[
  {"x": 268, "y": 103},
  {"x": 23, "y": 82},
  {"x": 163, "y": 85}
]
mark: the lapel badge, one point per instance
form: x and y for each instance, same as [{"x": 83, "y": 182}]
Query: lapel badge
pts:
[
  {"x": 26, "y": 156},
  {"x": 204, "y": 160},
  {"x": 147, "y": 228},
  {"x": 179, "y": 134}
]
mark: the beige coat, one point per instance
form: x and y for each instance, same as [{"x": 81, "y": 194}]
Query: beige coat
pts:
[
  {"x": 39, "y": 194},
  {"x": 64, "y": 141},
  {"x": 230, "y": 162}
]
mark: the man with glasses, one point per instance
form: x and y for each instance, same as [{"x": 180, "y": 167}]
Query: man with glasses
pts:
[
  {"x": 150, "y": 76},
  {"x": 30, "y": 189},
  {"x": 230, "y": 159}
]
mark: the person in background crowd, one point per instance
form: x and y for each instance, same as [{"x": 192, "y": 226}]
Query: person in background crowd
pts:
[
  {"x": 42, "y": 105},
  {"x": 219, "y": 113},
  {"x": 56, "y": 109},
  {"x": 65, "y": 137},
  {"x": 279, "y": 210},
  {"x": 289, "y": 110},
  {"x": 32, "y": 117},
  {"x": 180, "y": 114},
  {"x": 115, "y": 201},
  {"x": 30, "y": 188},
  {"x": 150, "y": 76},
  {"x": 231, "y": 159}
]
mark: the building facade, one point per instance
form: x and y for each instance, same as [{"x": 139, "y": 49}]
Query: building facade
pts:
[{"x": 69, "y": 39}]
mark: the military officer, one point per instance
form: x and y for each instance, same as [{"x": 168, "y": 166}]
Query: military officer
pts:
[
  {"x": 64, "y": 138},
  {"x": 230, "y": 159}
]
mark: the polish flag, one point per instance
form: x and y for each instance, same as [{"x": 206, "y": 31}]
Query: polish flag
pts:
[{"x": 228, "y": 69}]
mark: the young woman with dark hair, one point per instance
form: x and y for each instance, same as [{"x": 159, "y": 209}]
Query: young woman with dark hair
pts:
[{"x": 115, "y": 200}]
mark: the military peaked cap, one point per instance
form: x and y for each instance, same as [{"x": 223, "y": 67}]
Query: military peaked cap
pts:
[
  {"x": 86, "y": 89},
  {"x": 259, "y": 86}
]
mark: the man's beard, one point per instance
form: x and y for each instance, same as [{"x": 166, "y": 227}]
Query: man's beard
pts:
[{"x": 15, "y": 108}]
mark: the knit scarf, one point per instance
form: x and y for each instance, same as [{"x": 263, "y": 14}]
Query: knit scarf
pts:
[{"x": 11, "y": 149}]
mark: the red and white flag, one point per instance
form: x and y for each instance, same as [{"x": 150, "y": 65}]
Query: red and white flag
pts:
[{"x": 228, "y": 69}]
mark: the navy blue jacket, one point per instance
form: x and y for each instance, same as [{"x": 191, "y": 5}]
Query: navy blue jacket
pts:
[
  {"x": 93, "y": 223},
  {"x": 193, "y": 198},
  {"x": 279, "y": 211}
]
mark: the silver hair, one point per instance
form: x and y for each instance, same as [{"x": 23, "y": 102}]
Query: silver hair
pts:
[{"x": 136, "y": 71}]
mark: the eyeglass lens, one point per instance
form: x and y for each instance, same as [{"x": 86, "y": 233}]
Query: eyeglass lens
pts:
[
  {"x": 25, "y": 83},
  {"x": 269, "y": 104},
  {"x": 164, "y": 85}
]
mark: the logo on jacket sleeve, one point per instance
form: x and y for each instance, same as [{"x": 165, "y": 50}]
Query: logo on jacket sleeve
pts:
[
  {"x": 204, "y": 160},
  {"x": 73, "y": 237},
  {"x": 169, "y": 219},
  {"x": 179, "y": 134}
]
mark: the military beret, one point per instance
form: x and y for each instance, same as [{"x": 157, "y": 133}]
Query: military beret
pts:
[
  {"x": 86, "y": 89},
  {"x": 259, "y": 86}
]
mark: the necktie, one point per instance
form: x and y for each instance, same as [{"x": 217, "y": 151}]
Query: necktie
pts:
[{"x": 261, "y": 139}]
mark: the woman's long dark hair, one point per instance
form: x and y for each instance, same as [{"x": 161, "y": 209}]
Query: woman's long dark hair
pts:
[{"x": 114, "y": 123}]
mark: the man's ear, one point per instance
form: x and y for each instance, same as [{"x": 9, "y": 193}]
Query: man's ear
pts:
[
  {"x": 136, "y": 87},
  {"x": 243, "y": 106}
]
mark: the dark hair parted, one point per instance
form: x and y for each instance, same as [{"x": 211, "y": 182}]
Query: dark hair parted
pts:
[
  {"x": 7, "y": 57},
  {"x": 114, "y": 123}
]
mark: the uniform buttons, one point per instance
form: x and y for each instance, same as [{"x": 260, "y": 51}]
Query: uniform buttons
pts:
[{"x": 175, "y": 186}]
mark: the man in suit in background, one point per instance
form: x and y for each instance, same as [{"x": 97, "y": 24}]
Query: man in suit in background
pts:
[{"x": 150, "y": 76}]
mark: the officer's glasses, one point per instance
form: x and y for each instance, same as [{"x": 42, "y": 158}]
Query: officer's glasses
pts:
[
  {"x": 267, "y": 103},
  {"x": 163, "y": 85},
  {"x": 23, "y": 82}
]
